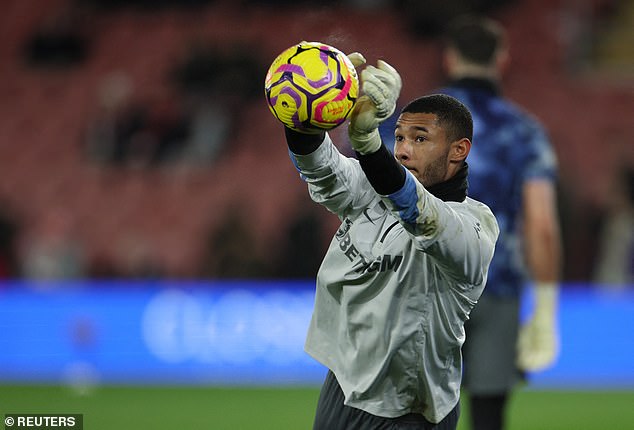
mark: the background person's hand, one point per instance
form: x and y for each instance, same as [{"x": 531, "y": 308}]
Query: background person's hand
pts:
[{"x": 538, "y": 342}]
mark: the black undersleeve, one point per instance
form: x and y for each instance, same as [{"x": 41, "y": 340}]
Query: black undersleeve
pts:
[
  {"x": 302, "y": 143},
  {"x": 383, "y": 171}
]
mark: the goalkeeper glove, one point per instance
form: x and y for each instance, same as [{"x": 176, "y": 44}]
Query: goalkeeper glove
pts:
[
  {"x": 538, "y": 342},
  {"x": 381, "y": 87}
]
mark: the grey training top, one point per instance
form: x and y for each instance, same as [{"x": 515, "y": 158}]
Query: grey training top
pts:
[{"x": 395, "y": 288}]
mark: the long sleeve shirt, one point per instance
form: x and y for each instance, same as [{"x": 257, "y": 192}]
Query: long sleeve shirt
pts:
[{"x": 397, "y": 283}]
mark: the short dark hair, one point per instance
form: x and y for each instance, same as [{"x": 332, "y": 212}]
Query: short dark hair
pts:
[
  {"x": 476, "y": 39},
  {"x": 453, "y": 116}
]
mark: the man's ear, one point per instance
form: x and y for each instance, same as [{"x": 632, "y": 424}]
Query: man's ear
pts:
[{"x": 459, "y": 150}]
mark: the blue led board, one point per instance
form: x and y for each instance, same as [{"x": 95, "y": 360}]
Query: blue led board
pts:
[{"x": 249, "y": 333}]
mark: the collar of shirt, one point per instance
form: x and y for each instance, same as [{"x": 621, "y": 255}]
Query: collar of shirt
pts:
[{"x": 477, "y": 83}]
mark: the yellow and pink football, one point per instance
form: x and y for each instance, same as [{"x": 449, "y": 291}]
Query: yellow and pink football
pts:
[{"x": 311, "y": 86}]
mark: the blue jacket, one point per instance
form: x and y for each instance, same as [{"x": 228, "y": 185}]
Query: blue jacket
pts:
[{"x": 510, "y": 147}]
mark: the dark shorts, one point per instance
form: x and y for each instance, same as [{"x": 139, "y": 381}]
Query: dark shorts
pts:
[
  {"x": 489, "y": 350},
  {"x": 332, "y": 414}
]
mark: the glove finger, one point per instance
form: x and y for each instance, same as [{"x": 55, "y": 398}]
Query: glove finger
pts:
[
  {"x": 535, "y": 353},
  {"x": 371, "y": 86},
  {"x": 530, "y": 360},
  {"x": 391, "y": 71},
  {"x": 356, "y": 58},
  {"x": 378, "y": 92},
  {"x": 363, "y": 105},
  {"x": 536, "y": 361},
  {"x": 523, "y": 347},
  {"x": 528, "y": 363},
  {"x": 363, "y": 117},
  {"x": 389, "y": 80},
  {"x": 523, "y": 363},
  {"x": 375, "y": 88}
]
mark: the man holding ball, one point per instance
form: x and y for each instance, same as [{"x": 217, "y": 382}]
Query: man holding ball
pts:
[{"x": 406, "y": 266}]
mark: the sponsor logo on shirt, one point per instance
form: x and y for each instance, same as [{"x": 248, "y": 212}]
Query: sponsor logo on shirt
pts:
[{"x": 382, "y": 263}]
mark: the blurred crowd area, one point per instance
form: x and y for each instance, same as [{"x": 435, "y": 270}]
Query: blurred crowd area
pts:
[{"x": 136, "y": 142}]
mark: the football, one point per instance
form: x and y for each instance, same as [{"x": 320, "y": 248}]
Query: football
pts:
[{"x": 311, "y": 86}]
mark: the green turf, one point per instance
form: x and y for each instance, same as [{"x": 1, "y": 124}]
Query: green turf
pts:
[
  {"x": 567, "y": 410},
  {"x": 186, "y": 408},
  {"x": 157, "y": 408}
]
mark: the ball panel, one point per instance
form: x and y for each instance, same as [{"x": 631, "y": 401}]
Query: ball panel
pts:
[{"x": 288, "y": 104}]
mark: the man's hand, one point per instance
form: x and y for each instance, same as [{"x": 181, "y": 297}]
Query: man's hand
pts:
[
  {"x": 538, "y": 343},
  {"x": 381, "y": 87}
]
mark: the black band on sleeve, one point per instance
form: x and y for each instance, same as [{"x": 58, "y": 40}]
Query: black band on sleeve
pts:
[
  {"x": 302, "y": 143},
  {"x": 385, "y": 174}
]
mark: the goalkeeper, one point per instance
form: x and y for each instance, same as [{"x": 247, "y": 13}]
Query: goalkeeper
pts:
[{"x": 406, "y": 266}]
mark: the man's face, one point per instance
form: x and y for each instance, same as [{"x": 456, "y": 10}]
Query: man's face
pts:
[{"x": 420, "y": 145}]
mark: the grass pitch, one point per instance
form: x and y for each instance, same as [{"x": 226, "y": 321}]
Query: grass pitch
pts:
[{"x": 192, "y": 408}]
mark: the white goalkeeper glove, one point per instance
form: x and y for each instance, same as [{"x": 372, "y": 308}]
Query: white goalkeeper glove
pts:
[
  {"x": 538, "y": 342},
  {"x": 381, "y": 87}
]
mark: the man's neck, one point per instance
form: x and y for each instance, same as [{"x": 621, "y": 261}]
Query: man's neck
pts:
[
  {"x": 470, "y": 70},
  {"x": 453, "y": 189}
]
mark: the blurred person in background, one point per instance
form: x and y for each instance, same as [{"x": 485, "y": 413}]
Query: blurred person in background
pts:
[
  {"x": 512, "y": 170},
  {"x": 406, "y": 265},
  {"x": 302, "y": 245},
  {"x": 133, "y": 131},
  {"x": 61, "y": 41},
  {"x": 52, "y": 251},
  {"x": 118, "y": 118},
  {"x": 232, "y": 249},
  {"x": 615, "y": 265},
  {"x": 9, "y": 231}
]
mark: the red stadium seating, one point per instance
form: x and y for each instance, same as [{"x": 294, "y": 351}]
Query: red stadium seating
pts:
[{"x": 45, "y": 112}]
